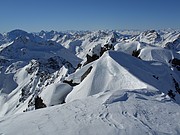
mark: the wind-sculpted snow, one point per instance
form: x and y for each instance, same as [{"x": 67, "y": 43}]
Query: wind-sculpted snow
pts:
[
  {"x": 56, "y": 93},
  {"x": 90, "y": 82},
  {"x": 129, "y": 47},
  {"x": 122, "y": 112},
  {"x": 156, "y": 54},
  {"x": 117, "y": 70}
]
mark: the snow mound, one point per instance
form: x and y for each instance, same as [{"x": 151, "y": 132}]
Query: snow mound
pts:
[
  {"x": 55, "y": 93},
  {"x": 156, "y": 54},
  {"x": 129, "y": 47}
]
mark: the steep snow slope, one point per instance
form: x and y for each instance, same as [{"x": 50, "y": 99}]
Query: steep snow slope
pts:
[
  {"x": 122, "y": 112},
  {"x": 106, "y": 74},
  {"x": 117, "y": 70}
]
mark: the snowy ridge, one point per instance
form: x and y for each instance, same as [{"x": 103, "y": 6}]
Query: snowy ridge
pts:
[
  {"x": 90, "y": 82},
  {"x": 117, "y": 70}
]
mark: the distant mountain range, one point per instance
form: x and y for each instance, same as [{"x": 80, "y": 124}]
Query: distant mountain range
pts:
[{"x": 90, "y": 82}]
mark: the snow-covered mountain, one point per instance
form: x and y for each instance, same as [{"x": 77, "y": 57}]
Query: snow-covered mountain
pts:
[
  {"x": 28, "y": 66},
  {"x": 90, "y": 82}
]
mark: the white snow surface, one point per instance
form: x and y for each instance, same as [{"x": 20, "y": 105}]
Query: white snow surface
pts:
[
  {"x": 54, "y": 94},
  {"x": 116, "y": 94},
  {"x": 117, "y": 70},
  {"x": 118, "y": 112}
]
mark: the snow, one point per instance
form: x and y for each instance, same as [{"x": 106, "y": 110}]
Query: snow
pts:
[
  {"x": 106, "y": 74},
  {"x": 128, "y": 47},
  {"x": 156, "y": 54},
  {"x": 55, "y": 94},
  {"x": 115, "y": 94},
  {"x": 117, "y": 70},
  {"x": 123, "y": 112}
]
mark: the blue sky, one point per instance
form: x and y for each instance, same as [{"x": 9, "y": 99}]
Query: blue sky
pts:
[{"x": 36, "y": 15}]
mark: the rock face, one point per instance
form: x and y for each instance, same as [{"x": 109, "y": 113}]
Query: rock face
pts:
[
  {"x": 39, "y": 103},
  {"x": 136, "y": 53},
  {"x": 175, "y": 63}
]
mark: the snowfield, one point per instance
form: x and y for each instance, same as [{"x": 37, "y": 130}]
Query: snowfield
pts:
[
  {"x": 90, "y": 82},
  {"x": 123, "y": 112}
]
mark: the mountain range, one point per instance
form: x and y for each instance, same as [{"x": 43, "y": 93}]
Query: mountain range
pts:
[{"x": 90, "y": 82}]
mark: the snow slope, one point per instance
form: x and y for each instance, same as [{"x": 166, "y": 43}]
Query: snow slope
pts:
[
  {"x": 122, "y": 112},
  {"x": 117, "y": 70},
  {"x": 28, "y": 65},
  {"x": 126, "y": 82}
]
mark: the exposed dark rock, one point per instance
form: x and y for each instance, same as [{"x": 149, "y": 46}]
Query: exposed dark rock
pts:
[
  {"x": 176, "y": 86},
  {"x": 34, "y": 64},
  {"x": 171, "y": 94},
  {"x": 176, "y": 62},
  {"x": 113, "y": 38},
  {"x": 39, "y": 103},
  {"x": 156, "y": 77},
  {"x": 105, "y": 48},
  {"x": 96, "y": 55},
  {"x": 70, "y": 82},
  {"x": 53, "y": 63},
  {"x": 136, "y": 53},
  {"x": 86, "y": 73},
  {"x": 79, "y": 66},
  {"x": 25, "y": 92},
  {"x": 49, "y": 66},
  {"x": 92, "y": 39},
  {"x": 91, "y": 59}
]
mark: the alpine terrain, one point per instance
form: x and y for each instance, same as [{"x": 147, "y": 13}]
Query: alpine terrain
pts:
[{"x": 106, "y": 82}]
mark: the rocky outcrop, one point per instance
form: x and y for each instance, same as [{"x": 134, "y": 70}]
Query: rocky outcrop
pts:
[
  {"x": 175, "y": 63},
  {"x": 136, "y": 53},
  {"x": 39, "y": 103},
  {"x": 97, "y": 52},
  {"x": 86, "y": 73}
]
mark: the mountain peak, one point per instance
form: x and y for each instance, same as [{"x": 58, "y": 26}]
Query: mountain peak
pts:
[{"x": 90, "y": 82}]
